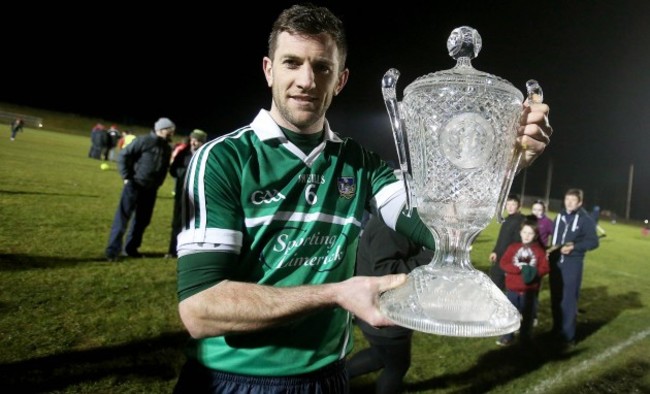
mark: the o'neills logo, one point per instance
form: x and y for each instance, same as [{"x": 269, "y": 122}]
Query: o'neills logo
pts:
[
  {"x": 347, "y": 186},
  {"x": 321, "y": 252}
]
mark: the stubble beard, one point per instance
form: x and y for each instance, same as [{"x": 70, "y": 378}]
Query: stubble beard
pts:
[{"x": 296, "y": 117}]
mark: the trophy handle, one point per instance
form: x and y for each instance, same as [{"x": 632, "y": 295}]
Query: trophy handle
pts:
[
  {"x": 535, "y": 95},
  {"x": 388, "y": 83}
]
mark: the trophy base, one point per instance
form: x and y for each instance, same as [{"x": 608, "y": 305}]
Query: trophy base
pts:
[{"x": 452, "y": 301}]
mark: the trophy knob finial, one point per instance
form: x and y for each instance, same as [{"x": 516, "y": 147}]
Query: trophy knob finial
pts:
[{"x": 464, "y": 41}]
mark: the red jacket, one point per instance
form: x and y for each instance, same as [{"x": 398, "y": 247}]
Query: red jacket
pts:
[{"x": 532, "y": 254}]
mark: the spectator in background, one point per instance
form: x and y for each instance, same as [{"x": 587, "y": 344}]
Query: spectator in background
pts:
[
  {"x": 143, "y": 165},
  {"x": 525, "y": 264},
  {"x": 180, "y": 146},
  {"x": 16, "y": 127},
  {"x": 595, "y": 214},
  {"x": 508, "y": 234},
  {"x": 544, "y": 229},
  {"x": 544, "y": 223},
  {"x": 127, "y": 138},
  {"x": 113, "y": 138},
  {"x": 177, "y": 170},
  {"x": 176, "y": 149},
  {"x": 574, "y": 234},
  {"x": 383, "y": 251},
  {"x": 104, "y": 142},
  {"x": 97, "y": 135}
]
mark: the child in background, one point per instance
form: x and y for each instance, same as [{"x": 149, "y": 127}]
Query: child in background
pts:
[
  {"x": 544, "y": 223},
  {"x": 524, "y": 263}
]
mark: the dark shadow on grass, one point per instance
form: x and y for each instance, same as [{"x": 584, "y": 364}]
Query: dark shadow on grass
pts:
[
  {"x": 501, "y": 365},
  {"x": 157, "y": 358},
  {"x": 22, "y": 192},
  {"x": 23, "y": 262}
]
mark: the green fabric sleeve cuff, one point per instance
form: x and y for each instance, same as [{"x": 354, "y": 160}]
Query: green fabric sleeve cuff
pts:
[
  {"x": 199, "y": 271},
  {"x": 414, "y": 228}
]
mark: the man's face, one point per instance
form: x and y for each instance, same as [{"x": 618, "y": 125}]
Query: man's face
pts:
[
  {"x": 512, "y": 207},
  {"x": 166, "y": 133},
  {"x": 195, "y": 144},
  {"x": 572, "y": 203},
  {"x": 304, "y": 77}
]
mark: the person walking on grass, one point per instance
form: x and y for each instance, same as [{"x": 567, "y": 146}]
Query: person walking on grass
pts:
[
  {"x": 16, "y": 127},
  {"x": 143, "y": 166},
  {"x": 266, "y": 258}
]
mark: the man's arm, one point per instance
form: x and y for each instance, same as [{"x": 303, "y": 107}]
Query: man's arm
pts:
[
  {"x": 590, "y": 240},
  {"x": 235, "y": 307}
]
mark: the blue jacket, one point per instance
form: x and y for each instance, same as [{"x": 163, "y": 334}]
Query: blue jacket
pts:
[{"x": 577, "y": 227}]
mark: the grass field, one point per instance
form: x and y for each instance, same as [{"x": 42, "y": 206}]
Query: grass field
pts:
[{"x": 70, "y": 322}]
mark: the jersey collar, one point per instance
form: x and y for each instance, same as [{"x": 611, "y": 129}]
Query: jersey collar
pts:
[{"x": 266, "y": 129}]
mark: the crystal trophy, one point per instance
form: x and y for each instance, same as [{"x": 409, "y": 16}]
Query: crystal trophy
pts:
[{"x": 455, "y": 133}]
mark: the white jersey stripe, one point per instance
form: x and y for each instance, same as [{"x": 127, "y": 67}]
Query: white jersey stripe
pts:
[
  {"x": 301, "y": 217},
  {"x": 200, "y": 165}
]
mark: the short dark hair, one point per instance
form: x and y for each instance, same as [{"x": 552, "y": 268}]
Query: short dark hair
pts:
[
  {"x": 310, "y": 20},
  {"x": 575, "y": 192},
  {"x": 530, "y": 220},
  {"x": 514, "y": 197}
]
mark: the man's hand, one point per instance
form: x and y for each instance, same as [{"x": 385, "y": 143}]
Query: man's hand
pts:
[
  {"x": 360, "y": 296},
  {"x": 534, "y": 132},
  {"x": 567, "y": 248}
]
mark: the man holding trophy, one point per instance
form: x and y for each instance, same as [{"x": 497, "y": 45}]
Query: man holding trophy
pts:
[{"x": 274, "y": 210}]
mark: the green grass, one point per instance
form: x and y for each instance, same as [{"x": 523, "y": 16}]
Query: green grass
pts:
[{"x": 72, "y": 323}]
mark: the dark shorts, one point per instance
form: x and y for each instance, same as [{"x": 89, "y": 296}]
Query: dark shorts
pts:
[{"x": 195, "y": 378}]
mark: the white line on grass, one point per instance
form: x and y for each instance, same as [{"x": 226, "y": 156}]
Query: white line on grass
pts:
[{"x": 586, "y": 364}]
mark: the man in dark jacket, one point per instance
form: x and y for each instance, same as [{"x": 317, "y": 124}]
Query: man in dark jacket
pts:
[
  {"x": 143, "y": 165},
  {"x": 177, "y": 171},
  {"x": 383, "y": 251},
  {"x": 574, "y": 235},
  {"x": 508, "y": 234}
]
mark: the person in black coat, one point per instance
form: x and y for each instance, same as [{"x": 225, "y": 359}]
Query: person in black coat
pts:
[
  {"x": 508, "y": 234},
  {"x": 383, "y": 251},
  {"x": 143, "y": 166}
]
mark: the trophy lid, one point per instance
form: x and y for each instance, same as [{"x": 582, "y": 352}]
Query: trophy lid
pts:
[{"x": 464, "y": 44}]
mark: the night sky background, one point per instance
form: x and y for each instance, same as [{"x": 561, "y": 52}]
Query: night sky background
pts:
[{"x": 201, "y": 66}]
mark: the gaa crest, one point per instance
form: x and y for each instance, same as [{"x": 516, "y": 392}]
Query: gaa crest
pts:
[{"x": 347, "y": 186}]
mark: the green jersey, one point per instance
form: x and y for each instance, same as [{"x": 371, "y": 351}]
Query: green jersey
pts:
[{"x": 293, "y": 219}]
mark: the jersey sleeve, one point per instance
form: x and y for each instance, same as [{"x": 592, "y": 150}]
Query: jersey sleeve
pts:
[
  {"x": 200, "y": 271},
  {"x": 212, "y": 212}
]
